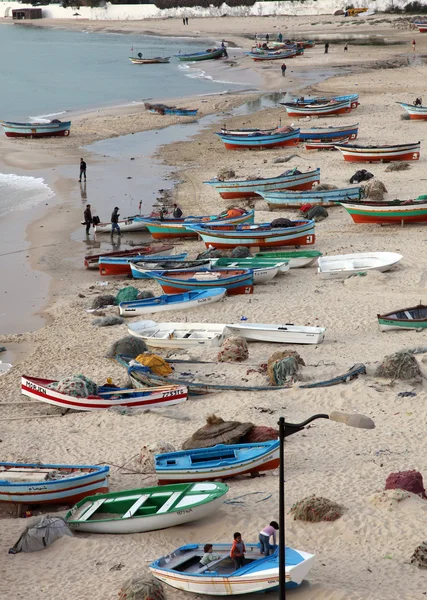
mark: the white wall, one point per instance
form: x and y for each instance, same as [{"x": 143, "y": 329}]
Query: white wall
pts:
[{"x": 126, "y": 12}]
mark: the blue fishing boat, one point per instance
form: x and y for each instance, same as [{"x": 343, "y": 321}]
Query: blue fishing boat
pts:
[
  {"x": 260, "y": 56},
  {"x": 321, "y": 198},
  {"x": 236, "y": 281},
  {"x": 260, "y": 140},
  {"x": 220, "y": 461},
  {"x": 143, "y": 270},
  {"x": 120, "y": 265},
  {"x": 35, "y": 130},
  {"x": 330, "y": 133},
  {"x": 198, "y": 56},
  {"x": 314, "y": 99},
  {"x": 164, "y": 109},
  {"x": 171, "y": 302},
  {"x": 181, "y": 569}
]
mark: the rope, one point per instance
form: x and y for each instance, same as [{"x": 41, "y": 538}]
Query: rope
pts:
[{"x": 236, "y": 500}]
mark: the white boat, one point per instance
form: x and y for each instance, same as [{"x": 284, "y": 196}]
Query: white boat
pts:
[
  {"x": 342, "y": 266},
  {"x": 178, "y": 335},
  {"x": 126, "y": 225},
  {"x": 282, "y": 334},
  {"x": 171, "y": 302}
]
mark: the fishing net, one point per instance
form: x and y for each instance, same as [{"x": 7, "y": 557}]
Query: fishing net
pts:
[
  {"x": 102, "y": 301},
  {"x": 315, "y": 509},
  {"x": 419, "y": 556},
  {"x": 155, "y": 363},
  {"x": 400, "y": 365},
  {"x": 77, "y": 386},
  {"x": 129, "y": 346},
  {"x": 217, "y": 431},
  {"x": 138, "y": 587},
  {"x": 316, "y": 213},
  {"x": 324, "y": 187},
  {"x": 240, "y": 252},
  {"x": 225, "y": 173},
  {"x": 146, "y": 458},
  {"x": 374, "y": 190},
  {"x": 211, "y": 253},
  {"x": 410, "y": 481},
  {"x": 108, "y": 321},
  {"x": 281, "y": 222},
  {"x": 283, "y": 366},
  {"x": 388, "y": 498},
  {"x": 41, "y": 534},
  {"x": 127, "y": 294},
  {"x": 398, "y": 166},
  {"x": 145, "y": 294},
  {"x": 260, "y": 433},
  {"x": 233, "y": 349}
]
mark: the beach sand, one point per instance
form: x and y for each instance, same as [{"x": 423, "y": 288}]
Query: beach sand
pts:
[{"x": 365, "y": 554}]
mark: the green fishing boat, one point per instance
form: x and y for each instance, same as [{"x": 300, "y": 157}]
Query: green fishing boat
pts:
[
  {"x": 206, "y": 55},
  {"x": 251, "y": 262},
  {"x": 404, "y": 318},
  {"x": 296, "y": 258}
]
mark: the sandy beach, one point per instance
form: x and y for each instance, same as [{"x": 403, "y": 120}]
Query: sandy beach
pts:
[{"x": 365, "y": 554}]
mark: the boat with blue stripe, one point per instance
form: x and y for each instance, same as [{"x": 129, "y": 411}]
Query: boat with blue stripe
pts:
[
  {"x": 330, "y": 133},
  {"x": 313, "y": 99},
  {"x": 321, "y": 198},
  {"x": 259, "y": 140},
  {"x": 171, "y": 302},
  {"x": 35, "y": 130},
  {"x": 236, "y": 281}
]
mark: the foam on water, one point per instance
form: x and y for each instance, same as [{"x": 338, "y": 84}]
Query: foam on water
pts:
[
  {"x": 46, "y": 118},
  {"x": 21, "y": 192}
]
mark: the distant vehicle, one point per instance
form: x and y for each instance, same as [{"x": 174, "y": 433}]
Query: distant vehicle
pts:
[{"x": 354, "y": 12}]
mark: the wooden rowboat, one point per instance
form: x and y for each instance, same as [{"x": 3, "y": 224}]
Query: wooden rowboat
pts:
[
  {"x": 36, "y": 130},
  {"x": 326, "y": 109},
  {"x": 218, "y": 462},
  {"x": 415, "y": 112},
  {"x": 330, "y": 133},
  {"x": 422, "y": 27},
  {"x": 180, "y": 569},
  {"x": 171, "y": 302},
  {"x": 91, "y": 260},
  {"x": 107, "y": 397},
  {"x": 251, "y": 262},
  {"x": 28, "y": 483},
  {"x": 404, "y": 318},
  {"x": 352, "y": 153},
  {"x": 297, "y": 258},
  {"x": 120, "y": 265},
  {"x": 155, "y": 60},
  {"x": 177, "y": 335},
  {"x": 323, "y": 99},
  {"x": 395, "y": 211},
  {"x": 198, "y": 56},
  {"x": 346, "y": 265},
  {"x": 314, "y": 197},
  {"x": 143, "y": 270},
  {"x": 236, "y": 281},
  {"x": 147, "y": 509},
  {"x": 282, "y": 334},
  {"x": 259, "y": 141},
  {"x": 325, "y": 144}
]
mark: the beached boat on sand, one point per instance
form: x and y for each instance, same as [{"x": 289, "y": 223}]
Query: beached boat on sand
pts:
[
  {"x": 404, "y": 318},
  {"x": 320, "y": 99},
  {"x": 313, "y": 197},
  {"x": 120, "y": 265},
  {"x": 332, "y": 133},
  {"x": 181, "y": 570},
  {"x": 325, "y": 144},
  {"x": 143, "y": 270},
  {"x": 261, "y": 141},
  {"x": 91, "y": 261},
  {"x": 209, "y": 54},
  {"x": 251, "y": 262},
  {"x": 326, "y": 109},
  {"x": 36, "y": 130},
  {"x": 126, "y": 225},
  {"x": 171, "y": 302},
  {"x": 393, "y": 211},
  {"x": 289, "y": 180},
  {"x": 422, "y": 27},
  {"x": 29, "y": 483},
  {"x": 106, "y": 397},
  {"x": 416, "y": 113},
  {"x": 282, "y": 334},
  {"x": 236, "y": 281},
  {"x": 177, "y": 335},
  {"x": 353, "y": 153},
  {"x": 217, "y": 462},
  {"x": 346, "y": 265},
  {"x": 297, "y": 259},
  {"x": 147, "y": 509}
]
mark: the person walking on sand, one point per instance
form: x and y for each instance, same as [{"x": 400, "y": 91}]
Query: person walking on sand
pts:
[
  {"x": 283, "y": 67},
  {"x": 87, "y": 215},
  {"x": 238, "y": 550},
  {"x": 413, "y": 45},
  {"x": 265, "y": 535},
  {"x": 327, "y": 48},
  {"x": 346, "y": 47},
  {"x": 183, "y": 20},
  {"x": 115, "y": 221},
  {"x": 186, "y": 20},
  {"x": 82, "y": 169},
  {"x": 177, "y": 212}
]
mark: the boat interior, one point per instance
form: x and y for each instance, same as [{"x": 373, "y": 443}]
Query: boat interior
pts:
[
  {"x": 418, "y": 313},
  {"x": 181, "y": 334},
  {"x": 34, "y": 474},
  {"x": 213, "y": 456},
  {"x": 188, "y": 561}
]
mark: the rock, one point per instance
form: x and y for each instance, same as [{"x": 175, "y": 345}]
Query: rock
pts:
[
  {"x": 81, "y": 296},
  {"x": 410, "y": 481},
  {"x": 225, "y": 173},
  {"x": 103, "y": 300},
  {"x": 324, "y": 186},
  {"x": 398, "y": 166},
  {"x": 3, "y": 348}
]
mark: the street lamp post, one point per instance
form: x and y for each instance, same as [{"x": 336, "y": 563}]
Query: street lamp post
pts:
[{"x": 285, "y": 430}]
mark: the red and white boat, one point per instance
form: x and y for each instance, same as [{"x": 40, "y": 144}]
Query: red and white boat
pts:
[
  {"x": 325, "y": 144},
  {"x": 416, "y": 113},
  {"x": 91, "y": 260},
  {"x": 422, "y": 27},
  {"x": 396, "y": 152},
  {"x": 334, "y": 107},
  {"x": 107, "y": 397}
]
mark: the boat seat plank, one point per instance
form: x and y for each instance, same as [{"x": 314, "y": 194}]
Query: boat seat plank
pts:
[
  {"x": 167, "y": 505},
  {"x": 408, "y": 315},
  {"x": 135, "y": 506},
  {"x": 92, "y": 509}
]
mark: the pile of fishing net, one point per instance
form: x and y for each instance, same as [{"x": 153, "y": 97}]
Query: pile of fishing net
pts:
[
  {"x": 374, "y": 190},
  {"x": 410, "y": 481},
  {"x": 146, "y": 459},
  {"x": 108, "y": 321},
  {"x": 398, "y": 166},
  {"x": 211, "y": 253},
  {"x": 138, "y": 587},
  {"x": 225, "y": 173},
  {"x": 157, "y": 364},
  {"x": 315, "y": 509},
  {"x": 419, "y": 556},
  {"x": 127, "y": 294},
  {"x": 233, "y": 349},
  {"x": 240, "y": 252},
  {"x": 324, "y": 187},
  {"x": 315, "y": 213},
  {"x": 40, "y": 534},
  {"x": 77, "y": 386},
  {"x": 283, "y": 366},
  {"x": 102, "y": 301},
  {"x": 400, "y": 365},
  {"x": 217, "y": 431},
  {"x": 127, "y": 346},
  {"x": 260, "y": 433}
]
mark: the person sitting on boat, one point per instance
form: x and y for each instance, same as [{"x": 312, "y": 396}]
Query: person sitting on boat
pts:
[
  {"x": 238, "y": 550},
  {"x": 265, "y": 535},
  {"x": 139, "y": 55},
  {"x": 418, "y": 102},
  {"x": 115, "y": 221},
  {"x": 208, "y": 555},
  {"x": 177, "y": 212},
  {"x": 163, "y": 213}
]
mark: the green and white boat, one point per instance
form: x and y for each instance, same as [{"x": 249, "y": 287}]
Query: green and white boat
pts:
[
  {"x": 147, "y": 509},
  {"x": 296, "y": 258},
  {"x": 251, "y": 262},
  {"x": 404, "y": 318}
]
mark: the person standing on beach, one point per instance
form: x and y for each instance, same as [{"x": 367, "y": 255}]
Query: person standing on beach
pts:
[
  {"x": 177, "y": 212},
  {"x": 346, "y": 47},
  {"x": 283, "y": 67},
  {"x": 267, "y": 38},
  {"x": 265, "y": 535},
  {"x": 238, "y": 550},
  {"x": 279, "y": 37},
  {"x": 87, "y": 215},
  {"x": 115, "y": 221},
  {"x": 82, "y": 169},
  {"x": 183, "y": 20},
  {"x": 186, "y": 20},
  {"x": 413, "y": 45},
  {"x": 327, "y": 48}
]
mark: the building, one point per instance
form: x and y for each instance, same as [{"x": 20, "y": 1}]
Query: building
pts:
[{"x": 26, "y": 13}]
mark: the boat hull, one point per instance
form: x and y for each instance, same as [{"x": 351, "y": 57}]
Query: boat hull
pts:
[
  {"x": 240, "y": 283},
  {"x": 380, "y": 154},
  {"x": 126, "y": 225},
  {"x": 325, "y": 110},
  {"x": 181, "y": 228},
  {"x": 330, "y": 133},
  {"x": 297, "y": 259},
  {"x": 416, "y": 113},
  {"x": 35, "y": 130},
  {"x": 387, "y": 214},
  {"x": 133, "y": 309},
  {"x": 260, "y": 142},
  {"x": 281, "y": 335},
  {"x": 323, "y": 198},
  {"x": 346, "y": 265}
]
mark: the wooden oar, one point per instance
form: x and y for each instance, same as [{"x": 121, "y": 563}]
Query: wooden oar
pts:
[{"x": 147, "y": 389}]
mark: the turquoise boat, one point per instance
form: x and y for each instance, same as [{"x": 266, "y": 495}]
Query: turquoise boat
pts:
[
  {"x": 404, "y": 318},
  {"x": 197, "y": 56},
  {"x": 171, "y": 302},
  {"x": 36, "y": 130},
  {"x": 251, "y": 262}
]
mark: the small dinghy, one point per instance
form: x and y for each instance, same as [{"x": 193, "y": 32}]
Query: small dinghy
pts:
[
  {"x": 171, "y": 302},
  {"x": 263, "y": 270},
  {"x": 342, "y": 266},
  {"x": 404, "y": 318},
  {"x": 282, "y": 334},
  {"x": 297, "y": 258},
  {"x": 28, "y": 483},
  {"x": 177, "y": 335},
  {"x": 143, "y": 269},
  {"x": 148, "y": 509},
  {"x": 181, "y": 569},
  {"x": 219, "y": 462}
]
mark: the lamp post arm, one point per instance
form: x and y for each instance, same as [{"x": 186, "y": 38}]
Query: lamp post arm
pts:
[{"x": 291, "y": 428}]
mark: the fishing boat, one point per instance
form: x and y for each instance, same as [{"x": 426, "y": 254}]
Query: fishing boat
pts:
[
  {"x": 177, "y": 335},
  {"x": 38, "y": 483},
  {"x": 325, "y": 144},
  {"x": 350, "y": 375},
  {"x": 415, "y": 112},
  {"x": 314, "y": 197},
  {"x": 91, "y": 260},
  {"x": 218, "y": 462},
  {"x": 253, "y": 187},
  {"x": 236, "y": 281},
  {"x": 263, "y": 235},
  {"x": 414, "y": 317},
  {"x": 251, "y": 262},
  {"x": 297, "y": 258},
  {"x": 155, "y": 60},
  {"x": 171, "y": 302},
  {"x": 120, "y": 265},
  {"x": 106, "y": 396},
  {"x": 320, "y": 110},
  {"x": 248, "y": 131},
  {"x": 394, "y": 211},
  {"x": 334, "y": 133},
  {"x": 352, "y": 153},
  {"x": 282, "y": 334},
  {"x": 179, "y": 228},
  {"x": 180, "y": 569},
  {"x": 209, "y": 54},
  {"x": 164, "y": 109},
  {"x": 143, "y": 270},
  {"x": 260, "y": 56},
  {"x": 126, "y": 225},
  {"x": 147, "y": 509},
  {"x": 322, "y": 99},
  {"x": 342, "y": 266},
  {"x": 259, "y": 141},
  {"x": 36, "y": 130},
  {"x": 422, "y": 27}
]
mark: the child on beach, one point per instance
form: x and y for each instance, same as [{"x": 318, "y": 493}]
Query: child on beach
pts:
[
  {"x": 238, "y": 551},
  {"x": 265, "y": 535},
  {"x": 208, "y": 555}
]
